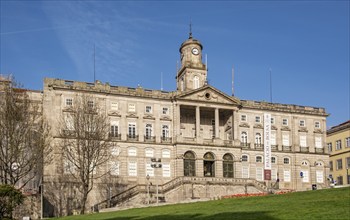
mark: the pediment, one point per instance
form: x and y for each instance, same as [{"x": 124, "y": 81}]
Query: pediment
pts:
[{"x": 209, "y": 94}]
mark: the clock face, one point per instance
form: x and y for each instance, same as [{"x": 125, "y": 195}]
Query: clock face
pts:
[{"x": 195, "y": 51}]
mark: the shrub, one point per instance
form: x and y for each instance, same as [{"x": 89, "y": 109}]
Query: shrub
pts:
[{"x": 10, "y": 197}]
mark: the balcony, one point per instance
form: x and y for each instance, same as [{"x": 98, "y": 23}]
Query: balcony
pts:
[
  {"x": 132, "y": 137},
  {"x": 149, "y": 139},
  {"x": 259, "y": 146},
  {"x": 274, "y": 147},
  {"x": 245, "y": 145},
  {"x": 286, "y": 148},
  {"x": 319, "y": 150},
  {"x": 166, "y": 139},
  {"x": 304, "y": 149},
  {"x": 114, "y": 136}
]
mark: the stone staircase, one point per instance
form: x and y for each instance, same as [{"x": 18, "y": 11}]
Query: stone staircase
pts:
[{"x": 141, "y": 189}]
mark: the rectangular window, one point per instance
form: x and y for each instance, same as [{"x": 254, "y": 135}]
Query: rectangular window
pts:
[
  {"x": 114, "y": 129},
  {"x": 286, "y": 175},
  {"x": 132, "y": 151},
  {"x": 69, "y": 102},
  {"x": 90, "y": 104},
  {"x": 274, "y": 174},
  {"x": 132, "y": 168},
  {"x": 319, "y": 176},
  {"x": 273, "y": 138},
  {"x": 166, "y": 170},
  {"x": 245, "y": 172},
  {"x": 166, "y": 153},
  {"x": 148, "y": 109},
  {"x": 114, "y": 106},
  {"x": 317, "y": 124},
  {"x": 330, "y": 165},
  {"x": 243, "y": 117},
  {"x": 259, "y": 174},
  {"x": 285, "y": 139},
  {"x": 131, "y": 107},
  {"x": 257, "y": 119},
  {"x": 149, "y": 169},
  {"x": 339, "y": 164},
  {"x": 165, "y": 111},
  {"x": 285, "y": 122},
  {"x": 114, "y": 168},
  {"x": 303, "y": 141},
  {"x": 338, "y": 145},
  {"x": 132, "y": 130},
  {"x": 149, "y": 152},
  {"x": 329, "y": 145},
  {"x": 165, "y": 131},
  {"x": 318, "y": 142},
  {"x": 305, "y": 176},
  {"x": 272, "y": 121},
  {"x": 273, "y": 159},
  {"x": 348, "y": 163},
  {"x": 302, "y": 123},
  {"x": 347, "y": 142}
]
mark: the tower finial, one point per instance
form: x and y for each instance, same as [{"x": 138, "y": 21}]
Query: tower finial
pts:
[{"x": 190, "y": 37}]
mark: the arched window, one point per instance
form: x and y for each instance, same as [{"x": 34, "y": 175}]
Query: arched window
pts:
[
  {"x": 189, "y": 164},
  {"x": 244, "y": 138},
  {"x": 286, "y": 160},
  {"x": 195, "y": 82},
  {"x": 258, "y": 159},
  {"x": 258, "y": 139},
  {"x": 244, "y": 158},
  {"x": 148, "y": 131},
  {"x": 209, "y": 164},
  {"x": 227, "y": 165}
]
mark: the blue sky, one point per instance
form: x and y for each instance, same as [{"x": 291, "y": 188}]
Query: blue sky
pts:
[{"x": 305, "y": 43}]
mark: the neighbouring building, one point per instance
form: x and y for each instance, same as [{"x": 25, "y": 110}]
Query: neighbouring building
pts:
[
  {"x": 338, "y": 142},
  {"x": 193, "y": 143}
]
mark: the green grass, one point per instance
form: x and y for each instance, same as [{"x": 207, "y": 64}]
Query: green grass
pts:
[{"x": 320, "y": 204}]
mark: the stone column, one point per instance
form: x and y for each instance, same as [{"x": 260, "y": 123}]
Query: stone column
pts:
[
  {"x": 217, "y": 123},
  {"x": 198, "y": 118},
  {"x": 235, "y": 123},
  {"x": 178, "y": 120}
]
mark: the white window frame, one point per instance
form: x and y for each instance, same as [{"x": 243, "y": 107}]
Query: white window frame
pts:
[
  {"x": 347, "y": 142},
  {"x": 303, "y": 141},
  {"x": 245, "y": 155},
  {"x": 165, "y": 131},
  {"x": 132, "y": 129},
  {"x": 244, "y": 118},
  {"x": 286, "y": 160},
  {"x": 302, "y": 123},
  {"x": 114, "y": 168},
  {"x": 132, "y": 168},
  {"x": 286, "y": 175},
  {"x": 244, "y": 137},
  {"x": 285, "y": 121},
  {"x": 259, "y": 175},
  {"x": 338, "y": 145},
  {"x": 149, "y": 152},
  {"x": 148, "y": 109},
  {"x": 148, "y": 130},
  {"x": 245, "y": 171},
  {"x": 166, "y": 170},
  {"x": 165, "y": 110},
  {"x": 319, "y": 176},
  {"x": 317, "y": 124},
  {"x": 318, "y": 142},
  {"x": 257, "y": 119},
  {"x": 131, "y": 107},
  {"x": 166, "y": 153},
  {"x": 114, "y": 106},
  {"x": 285, "y": 139},
  {"x": 132, "y": 151},
  {"x": 258, "y": 157},
  {"x": 69, "y": 102}
]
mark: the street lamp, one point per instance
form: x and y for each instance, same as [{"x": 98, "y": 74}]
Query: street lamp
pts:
[
  {"x": 147, "y": 177},
  {"x": 156, "y": 163}
]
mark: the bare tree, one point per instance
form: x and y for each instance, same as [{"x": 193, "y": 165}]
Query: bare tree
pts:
[
  {"x": 24, "y": 136},
  {"x": 85, "y": 143}
]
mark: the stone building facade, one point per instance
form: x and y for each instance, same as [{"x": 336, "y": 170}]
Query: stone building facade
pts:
[{"x": 193, "y": 143}]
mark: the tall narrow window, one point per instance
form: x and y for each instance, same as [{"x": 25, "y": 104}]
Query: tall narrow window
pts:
[
  {"x": 303, "y": 141},
  {"x": 258, "y": 139},
  {"x": 318, "y": 142},
  {"x": 195, "y": 82},
  {"x": 259, "y": 174},
  {"x": 148, "y": 131},
  {"x": 132, "y": 130},
  {"x": 244, "y": 138},
  {"x": 182, "y": 84},
  {"x": 165, "y": 132},
  {"x": 227, "y": 166},
  {"x": 189, "y": 164},
  {"x": 209, "y": 165},
  {"x": 338, "y": 145},
  {"x": 285, "y": 139},
  {"x": 114, "y": 132},
  {"x": 114, "y": 106}
]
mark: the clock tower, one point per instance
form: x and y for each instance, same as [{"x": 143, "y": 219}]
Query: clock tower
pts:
[{"x": 193, "y": 72}]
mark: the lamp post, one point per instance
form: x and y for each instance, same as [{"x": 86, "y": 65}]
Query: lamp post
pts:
[
  {"x": 147, "y": 177},
  {"x": 156, "y": 163}
]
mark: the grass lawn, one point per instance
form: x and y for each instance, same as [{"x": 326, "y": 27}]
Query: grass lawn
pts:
[{"x": 319, "y": 204}]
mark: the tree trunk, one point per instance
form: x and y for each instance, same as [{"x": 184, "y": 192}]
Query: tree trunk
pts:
[{"x": 83, "y": 200}]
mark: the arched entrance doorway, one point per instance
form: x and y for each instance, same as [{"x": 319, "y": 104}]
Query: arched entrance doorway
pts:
[{"x": 209, "y": 165}]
